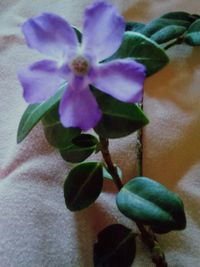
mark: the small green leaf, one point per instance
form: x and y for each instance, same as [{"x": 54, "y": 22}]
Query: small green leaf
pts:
[
  {"x": 193, "y": 35},
  {"x": 149, "y": 202},
  {"x": 168, "y": 33},
  {"x": 56, "y": 134},
  {"x": 35, "y": 112},
  {"x": 119, "y": 119},
  {"x": 83, "y": 185},
  {"x": 143, "y": 50},
  {"x": 107, "y": 175},
  {"x": 115, "y": 247},
  {"x": 80, "y": 148}
]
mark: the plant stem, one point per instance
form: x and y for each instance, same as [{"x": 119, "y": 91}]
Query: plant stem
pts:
[
  {"x": 148, "y": 237},
  {"x": 139, "y": 148},
  {"x": 108, "y": 160}
]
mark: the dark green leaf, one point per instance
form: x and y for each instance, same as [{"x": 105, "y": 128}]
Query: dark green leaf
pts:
[
  {"x": 80, "y": 148},
  {"x": 56, "y": 134},
  {"x": 115, "y": 247},
  {"x": 180, "y": 16},
  {"x": 35, "y": 112},
  {"x": 149, "y": 202},
  {"x": 83, "y": 185},
  {"x": 143, "y": 50},
  {"x": 107, "y": 175},
  {"x": 193, "y": 35},
  {"x": 134, "y": 26},
  {"x": 168, "y": 33},
  {"x": 119, "y": 119}
]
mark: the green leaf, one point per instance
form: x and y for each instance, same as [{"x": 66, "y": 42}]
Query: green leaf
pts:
[
  {"x": 160, "y": 23},
  {"x": 119, "y": 119},
  {"x": 143, "y": 50},
  {"x": 80, "y": 148},
  {"x": 107, "y": 175},
  {"x": 193, "y": 35},
  {"x": 83, "y": 185},
  {"x": 180, "y": 17},
  {"x": 168, "y": 33},
  {"x": 35, "y": 112},
  {"x": 165, "y": 28},
  {"x": 56, "y": 134},
  {"x": 115, "y": 247},
  {"x": 134, "y": 26},
  {"x": 149, "y": 202}
]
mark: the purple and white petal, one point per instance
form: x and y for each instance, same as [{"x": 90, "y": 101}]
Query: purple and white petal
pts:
[
  {"x": 50, "y": 35},
  {"x": 123, "y": 79},
  {"x": 40, "y": 81},
  {"x": 102, "y": 31},
  {"x": 78, "y": 108}
]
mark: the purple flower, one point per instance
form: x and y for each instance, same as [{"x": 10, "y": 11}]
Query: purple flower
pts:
[{"x": 77, "y": 64}]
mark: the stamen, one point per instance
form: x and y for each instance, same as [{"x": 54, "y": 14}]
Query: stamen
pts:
[{"x": 80, "y": 66}]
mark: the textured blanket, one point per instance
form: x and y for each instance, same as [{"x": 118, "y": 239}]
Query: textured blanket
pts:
[{"x": 36, "y": 229}]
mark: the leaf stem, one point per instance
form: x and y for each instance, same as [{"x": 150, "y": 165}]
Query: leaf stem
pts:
[{"x": 178, "y": 41}]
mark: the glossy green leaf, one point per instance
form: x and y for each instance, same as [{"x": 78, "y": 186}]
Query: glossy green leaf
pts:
[
  {"x": 147, "y": 201},
  {"x": 83, "y": 185},
  {"x": 35, "y": 112},
  {"x": 107, "y": 175},
  {"x": 168, "y": 33},
  {"x": 56, "y": 134},
  {"x": 143, "y": 50},
  {"x": 119, "y": 119},
  {"x": 193, "y": 35},
  {"x": 80, "y": 148},
  {"x": 115, "y": 247}
]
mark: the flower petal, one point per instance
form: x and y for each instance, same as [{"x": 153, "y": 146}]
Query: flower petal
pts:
[
  {"x": 122, "y": 79},
  {"x": 103, "y": 30},
  {"x": 40, "y": 81},
  {"x": 78, "y": 108},
  {"x": 51, "y": 35}
]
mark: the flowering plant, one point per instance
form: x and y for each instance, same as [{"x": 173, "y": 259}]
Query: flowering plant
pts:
[{"x": 94, "y": 79}]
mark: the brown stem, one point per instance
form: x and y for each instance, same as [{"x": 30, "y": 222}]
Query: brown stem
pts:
[
  {"x": 104, "y": 144},
  {"x": 148, "y": 237}
]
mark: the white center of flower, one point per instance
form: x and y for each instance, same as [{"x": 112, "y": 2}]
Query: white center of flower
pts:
[{"x": 80, "y": 66}]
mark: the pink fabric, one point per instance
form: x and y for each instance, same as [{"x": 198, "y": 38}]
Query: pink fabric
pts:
[{"x": 36, "y": 229}]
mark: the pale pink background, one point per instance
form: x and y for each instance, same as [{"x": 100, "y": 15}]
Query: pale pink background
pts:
[{"x": 36, "y": 230}]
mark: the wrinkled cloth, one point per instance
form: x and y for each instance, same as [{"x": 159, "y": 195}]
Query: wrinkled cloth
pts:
[{"x": 36, "y": 229}]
